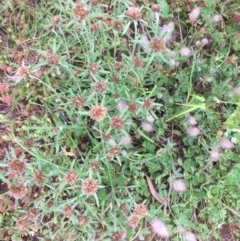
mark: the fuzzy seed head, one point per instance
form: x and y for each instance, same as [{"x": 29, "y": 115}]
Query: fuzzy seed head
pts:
[
  {"x": 150, "y": 119},
  {"x": 193, "y": 131},
  {"x": 147, "y": 127},
  {"x": 156, "y": 8},
  {"x": 226, "y": 144},
  {"x": 126, "y": 140},
  {"x": 189, "y": 236},
  {"x": 185, "y": 51},
  {"x": 217, "y": 18},
  {"x": 83, "y": 221},
  {"x": 133, "y": 222},
  {"x": 93, "y": 68},
  {"x": 215, "y": 154},
  {"x": 179, "y": 186},
  {"x": 89, "y": 186},
  {"x": 192, "y": 121},
  {"x": 98, "y": 113},
  {"x": 194, "y": 14},
  {"x": 236, "y": 90},
  {"x": 160, "y": 228},
  {"x": 95, "y": 166},
  {"x": 39, "y": 177},
  {"x": 121, "y": 105}
]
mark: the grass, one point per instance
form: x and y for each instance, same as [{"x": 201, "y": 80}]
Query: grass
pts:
[{"x": 119, "y": 123}]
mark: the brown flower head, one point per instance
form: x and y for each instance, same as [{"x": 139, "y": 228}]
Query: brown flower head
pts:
[
  {"x": 39, "y": 177},
  {"x": 140, "y": 211},
  {"x": 148, "y": 104},
  {"x": 83, "y": 221},
  {"x": 68, "y": 212},
  {"x": 158, "y": 45},
  {"x": 17, "y": 190},
  {"x": 118, "y": 25},
  {"x": 101, "y": 87},
  {"x": 80, "y": 11},
  {"x": 156, "y": 8},
  {"x": 133, "y": 222},
  {"x": 138, "y": 63},
  {"x": 118, "y": 66},
  {"x": 89, "y": 186},
  {"x": 93, "y": 68},
  {"x": 98, "y": 112},
  {"x": 132, "y": 107},
  {"x": 23, "y": 224},
  {"x": 134, "y": 13},
  {"x": 117, "y": 123},
  {"x": 71, "y": 177},
  {"x": 17, "y": 167},
  {"x": 52, "y": 57},
  {"x": 78, "y": 101},
  {"x": 94, "y": 166}
]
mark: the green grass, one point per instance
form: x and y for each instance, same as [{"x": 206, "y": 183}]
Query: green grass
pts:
[{"x": 44, "y": 128}]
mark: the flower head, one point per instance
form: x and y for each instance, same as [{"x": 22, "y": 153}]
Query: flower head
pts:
[
  {"x": 117, "y": 123},
  {"x": 134, "y": 13},
  {"x": 192, "y": 121},
  {"x": 80, "y": 11},
  {"x": 17, "y": 167},
  {"x": 89, "y": 186},
  {"x": 101, "y": 87},
  {"x": 148, "y": 104},
  {"x": 68, "y": 212},
  {"x": 160, "y": 228},
  {"x": 158, "y": 45},
  {"x": 98, "y": 113},
  {"x": 140, "y": 211},
  {"x": 71, "y": 177},
  {"x": 126, "y": 140},
  {"x": 17, "y": 190}
]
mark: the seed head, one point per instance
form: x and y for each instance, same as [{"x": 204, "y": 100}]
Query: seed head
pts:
[
  {"x": 179, "y": 185},
  {"x": 147, "y": 127},
  {"x": 39, "y": 177},
  {"x": 217, "y": 18},
  {"x": 226, "y": 144},
  {"x": 185, "y": 51},
  {"x": 138, "y": 63},
  {"x": 121, "y": 105},
  {"x": 194, "y": 14},
  {"x": 189, "y": 236},
  {"x": 98, "y": 113},
  {"x": 133, "y": 222},
  {"x": 126, "y": 140},
  {"x": 192, "y": 121},
  {"x": 89, "y": 186},
  {"x": 160, "y": 228},
  {"x": 193, "y": 131},
  {"x": 215, "y": 154}
]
